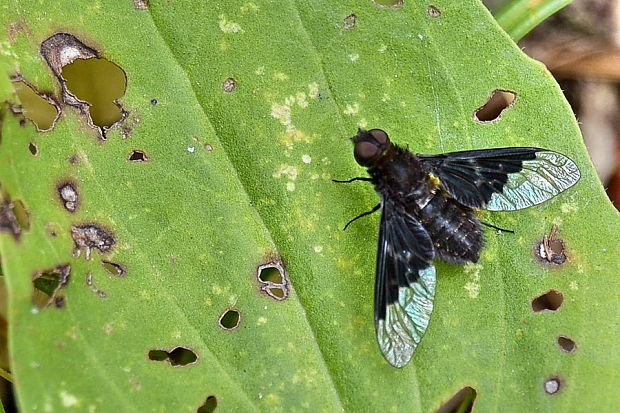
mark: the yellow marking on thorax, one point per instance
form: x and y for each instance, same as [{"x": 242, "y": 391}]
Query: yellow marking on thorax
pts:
[{"x": 434, "y": 180}]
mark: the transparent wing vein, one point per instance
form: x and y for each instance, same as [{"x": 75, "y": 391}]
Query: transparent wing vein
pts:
[{"x": 540, "y": 179}]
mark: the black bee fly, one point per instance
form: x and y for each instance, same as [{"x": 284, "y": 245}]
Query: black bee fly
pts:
[{"x": 427, "y": 212}]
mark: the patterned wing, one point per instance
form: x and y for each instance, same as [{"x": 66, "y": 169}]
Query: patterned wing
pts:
[
  {"x": 404, "y": 284},
  {"x": 503, "y": 179}
]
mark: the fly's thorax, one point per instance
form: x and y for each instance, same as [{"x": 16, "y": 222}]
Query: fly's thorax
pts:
[{"x": 399, "y": 173}]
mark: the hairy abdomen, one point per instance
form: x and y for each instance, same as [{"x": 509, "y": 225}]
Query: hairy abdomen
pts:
[{"x": 453, "y": 228}]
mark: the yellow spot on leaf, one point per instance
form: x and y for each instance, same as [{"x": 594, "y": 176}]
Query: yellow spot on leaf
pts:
[
  {"x": 249, "y": 7},
  {"x": 288, "y": 171},
  {"x": 567, "y": 208},
  {"x": 351, "y": 109},
  {"x": 313, "y": 90},
  {"x": 68, "y": 400},
  {"x": 280, "y": 76},
  {"x": 228, "y": 26}
]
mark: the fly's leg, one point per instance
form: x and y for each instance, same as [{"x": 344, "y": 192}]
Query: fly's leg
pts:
[
  {"x": 359, "y": 178},
  {"x": 497, "y": 228},
  {"x": 375, "y": 208}
]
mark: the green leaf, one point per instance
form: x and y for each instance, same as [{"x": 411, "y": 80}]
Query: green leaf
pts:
[{"x": 254, "y": 105}]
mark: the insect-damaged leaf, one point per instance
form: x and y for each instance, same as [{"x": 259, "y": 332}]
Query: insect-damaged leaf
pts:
[{"x": 235, "y": 178}]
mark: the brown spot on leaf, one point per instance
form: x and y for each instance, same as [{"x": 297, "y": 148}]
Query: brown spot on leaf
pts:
[
  {"x": 90, "y": 283},
  {"x": 433, "y": 11},
  {"x": 8, "y": 221},
  {"x": 552, "y": 385},
  {"x": 350, "y": 21},
  {"x": 229, "y": 85},
  {"x": 141, "y": 4},
  {"x": 14, "y": 217},
  {"x": 550, "y": 250},
  {"x": 91, "y": 236},
  {"x": 16, "y": 28},
  {"x": 68, "y": 194}
]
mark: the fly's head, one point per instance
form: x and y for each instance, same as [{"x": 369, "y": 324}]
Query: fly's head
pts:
[{"x": 370, "y": 146}]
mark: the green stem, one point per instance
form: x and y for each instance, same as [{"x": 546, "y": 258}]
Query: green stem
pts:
[
  {"x": 6, "y": 375},
  {"x": 518, "y": 17}
]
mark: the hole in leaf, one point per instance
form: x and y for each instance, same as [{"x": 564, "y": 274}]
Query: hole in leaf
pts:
[
  {"x": 230, "y": 319},
  {"x": 100, "y": 83},
  {"x": 271, "y": 274},
  {"x": 229, "y": 85},
  {"x": 388, "y": 3},
  {"x": 273, "y": 280},
  {"x": 209, "y": 405},
  {"x": 33, "y": 148},
  {"x": 433, "y": 11},
  {"x": 567, "y": 344},
  {"x": 277, "y": 292},
  {"x": 462, "y": 401},
  {"x": 499, "y": 101},
  {"x": 178, "y": 356},
  {"x": 41, "y": 110},
  {"x": 89, "y": 83},
  {"x": 154, "y": 102},
  {"x": 138, "y": 156},
  {"x": 158, "y": 355},
  {"x": 208, "y": 147},
  {"x": 182, "y": 357},
  {"x": 67, "y": 191},
  {"x": 552, "y": 385},
  {"x": 47, "y": 286},
  {"x": 350, "y": 21},
  {"x": 550, "y": 301},
  {"x": 91, "y": 236},
  {"x": 113, "y": 268}
]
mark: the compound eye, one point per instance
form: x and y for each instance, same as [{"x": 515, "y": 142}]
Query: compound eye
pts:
[
  {"x": 379, "y": 135},
  {"x": 364, "y": 152}
]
